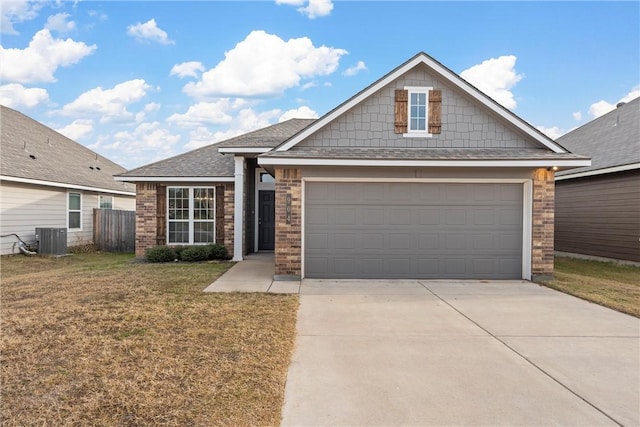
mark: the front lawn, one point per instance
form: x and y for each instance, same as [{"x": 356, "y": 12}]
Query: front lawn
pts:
[
  {"x": 613, "y": 285},
  {"x": 96, "y": 339}
]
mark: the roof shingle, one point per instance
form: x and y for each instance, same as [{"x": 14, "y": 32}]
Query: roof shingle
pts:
[
  {"x": 610, "y": 140},
  {"x": 31, "y": 150}
]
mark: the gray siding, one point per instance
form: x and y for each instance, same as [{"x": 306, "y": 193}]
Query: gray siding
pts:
[
  {"x": 465, "y": 124},
  {"x": 25, "y": 207},
  {"x": 599, "y": 216}
]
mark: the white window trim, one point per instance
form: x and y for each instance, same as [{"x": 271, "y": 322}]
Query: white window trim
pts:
[
  {"x": 418, "y": 133},
  {"x": 113, "y": 200},
  {"x": 191, "y": 220},
  {"x": 69, "y": 210}
]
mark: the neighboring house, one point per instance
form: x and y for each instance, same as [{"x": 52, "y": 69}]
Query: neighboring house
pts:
[
  {"x": 598, "y": 206},
  {"x": 420, "y": 175},
  {"x": 48, "y": 180}
]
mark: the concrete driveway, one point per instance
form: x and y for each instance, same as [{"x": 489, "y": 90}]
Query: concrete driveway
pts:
[{"x": 459, "y": 353}]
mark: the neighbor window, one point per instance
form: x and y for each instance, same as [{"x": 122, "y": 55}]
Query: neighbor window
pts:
[
  {"x": 191, "y": 215},
  {"x": 106, "y": 202},
  {"x": 74, "y": 204},
  {"x": 418, "y": 102}
]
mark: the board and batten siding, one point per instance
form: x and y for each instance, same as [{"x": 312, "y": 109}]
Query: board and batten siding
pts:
[
  {"x": 23, "y": 207},
  {"x": 599, "y": 216}
]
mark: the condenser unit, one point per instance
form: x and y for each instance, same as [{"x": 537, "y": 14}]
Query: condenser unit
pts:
[{"x": 52, "y": 241}]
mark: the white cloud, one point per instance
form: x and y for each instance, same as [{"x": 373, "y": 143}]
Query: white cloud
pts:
[
  {"x": 15, "y": 12},
  {"x": 187, "y": 69},
  {"x": 148, "y": 142},
  {"x": 352, "y": 71},
  {"x": 577, "y": 116},
  {"x": 59, "y": 23},
  {"x": 602, "y": 107},
  {"x": 149, "y": 32},
  {"x": 100, "y": 15},
  {"x": 313, "y": 9},
  {"x": 78, "y": 129},
  {"x": 495, "y": 77},
  {"x": 303, "y": 112},
  {"x": 200, "y": 137},
  {"x": 204, "y": 113},
  {"x": 317, "y": 8},
  {"x": 265, "y": 65},
  {"x": 152, "y": 106},
  {"x": 40, "y": 60},
  {"x": 15, "y": 95},
  {"x": 552, "y": 132},
  {"x": 111, "y": 104}
]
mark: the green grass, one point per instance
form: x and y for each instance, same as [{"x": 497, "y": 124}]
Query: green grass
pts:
[
  {"x": 616, "y": 286},
  {"x": 101, "y": 340}
]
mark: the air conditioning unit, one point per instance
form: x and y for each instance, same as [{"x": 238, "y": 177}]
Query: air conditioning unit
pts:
[{"x": 52, "y": 241}]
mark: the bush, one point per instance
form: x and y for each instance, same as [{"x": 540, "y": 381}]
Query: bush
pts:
[
  {"x": 218, "y": 252},
  {"x": 195, "y": 254},
  {"x": 178, "y": 250},
  {"x": 160, "y": 254}
]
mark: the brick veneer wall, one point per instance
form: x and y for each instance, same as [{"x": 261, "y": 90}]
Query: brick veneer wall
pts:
[
  {"x": 146, "y": 217},
  {"x": 288, "y": 250},
  {"x": 542, "y": 224},
  {"x": 229, "y": 205}
]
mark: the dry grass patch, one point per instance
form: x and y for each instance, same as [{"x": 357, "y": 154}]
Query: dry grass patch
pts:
[
  {"x": 615, "y": 286},
  {"x": 94, "y": 339}
]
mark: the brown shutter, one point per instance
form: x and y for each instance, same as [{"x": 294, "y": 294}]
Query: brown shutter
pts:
[
  {"x": 435, "y": 111},
  {"x": 220, "y": 214},
  {"x": 161, "y": 214},
  {"x": 402, "y": 102}
]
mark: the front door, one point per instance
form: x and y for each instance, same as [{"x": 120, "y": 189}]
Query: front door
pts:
[{"x": 266, "y": 220}]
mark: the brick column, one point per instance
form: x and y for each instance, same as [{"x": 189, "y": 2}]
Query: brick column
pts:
[
  {"x": 288, "y": 250},
  {"x": 146, "y": 217},
  {"x": 229, "y": 206},
  {"x": 542, "y": 224}
]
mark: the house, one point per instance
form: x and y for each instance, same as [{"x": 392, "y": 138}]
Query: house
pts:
[
  {"x": 419, "y": 175},
  {"x": 48, "y": 180},
  {"x": 598, "y": 206}
]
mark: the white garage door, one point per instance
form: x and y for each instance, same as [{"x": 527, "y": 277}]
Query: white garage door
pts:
[{"x": 413, "y": 230}]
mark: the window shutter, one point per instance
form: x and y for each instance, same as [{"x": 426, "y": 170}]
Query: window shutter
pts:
[
  {"x": 435, "y": 111},
  {"x": 161, "y": 214},
  {"x": 220, "y": 215},
  {"x": 402, "y": 102}
]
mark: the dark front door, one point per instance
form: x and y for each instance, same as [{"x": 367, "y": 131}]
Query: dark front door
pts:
[{"x": 266, "y": 220}]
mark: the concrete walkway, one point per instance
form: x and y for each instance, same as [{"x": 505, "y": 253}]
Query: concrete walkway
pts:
[
  {"x": 459, "y": 353},
  {"x": 254, "y": 274}
]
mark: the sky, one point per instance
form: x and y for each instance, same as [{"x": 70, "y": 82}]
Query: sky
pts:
[{"x": 142, "y": 81}]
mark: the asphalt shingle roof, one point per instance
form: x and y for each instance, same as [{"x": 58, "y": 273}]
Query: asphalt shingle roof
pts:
[
  {"x": 208, "y": 162},
  {"x": 31, "y": 150},
  {"x": 610, "y": 140},
  {"x": 424, "y": 154}
]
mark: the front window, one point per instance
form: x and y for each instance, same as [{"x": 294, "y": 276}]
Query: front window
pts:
[
  {"x": 74, "y": 204},
  {"x": 191, "y": 215},
  {"x": 106, "y": 202},
  {"x": 417, "y": 111}
]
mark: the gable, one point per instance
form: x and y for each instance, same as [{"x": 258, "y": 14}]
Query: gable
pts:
[{"x": 465, "y": 123}]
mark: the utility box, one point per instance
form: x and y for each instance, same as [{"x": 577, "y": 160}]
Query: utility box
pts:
[{"x": 51, "y": 241}]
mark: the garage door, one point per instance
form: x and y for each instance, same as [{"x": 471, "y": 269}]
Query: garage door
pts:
[{"x": 413, "y": 230}]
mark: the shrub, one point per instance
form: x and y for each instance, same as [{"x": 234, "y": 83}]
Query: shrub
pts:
[
  {"x": 218, "y": 252},
  {"x": 195, "y": 254},
  {"x": 160, "y": 254},
  {"x": 178, "y": 250}
]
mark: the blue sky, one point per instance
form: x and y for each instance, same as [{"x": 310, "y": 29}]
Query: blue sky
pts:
[{"x": 142, "y": 81}]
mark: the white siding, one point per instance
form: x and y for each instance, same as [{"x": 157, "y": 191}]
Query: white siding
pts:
[{"x": 23, "y": 207}]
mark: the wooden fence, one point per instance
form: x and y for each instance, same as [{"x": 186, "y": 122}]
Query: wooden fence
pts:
[{"x": 114, "y": 231}]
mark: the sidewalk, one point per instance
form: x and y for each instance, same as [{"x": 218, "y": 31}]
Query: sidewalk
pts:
[{"x": 254, "y": 274}]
